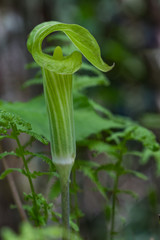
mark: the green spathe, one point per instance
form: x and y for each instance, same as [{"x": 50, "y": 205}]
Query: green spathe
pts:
[
  {"x": 80, "y": 37},
  {"x": 58, "y": 97},
  {"x": 57, "y": 81}
]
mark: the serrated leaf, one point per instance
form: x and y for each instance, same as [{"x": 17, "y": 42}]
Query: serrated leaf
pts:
[
  {"x": 133, "y": 131},
  {"x": 110, "y": 167},
  {"x": 8, "y": 119},
  {"x": 31, "y": 65},
  {"x": 137, "y": 174},
  {"x": 84, "y": 81},
  {"x": 101, "y": 109},
  {"x": 100, "y": 147},
  {"x": 10, "y": 170},
  {"x": 45, "y": 159},
  {"x": 36, "y": 174},
  {"x": 145, "y": 156},
  {"x": 55, "y": 190},
  {"x": 133, "y": 194},
  {"x": 4, "y": 154},
  {"x": 74, "y": 226},
  {"x": 39, "y": 137},
  {"x": 92, "y": 175},
  {"x": 33, "y": 81},
  {"x": 85, "y": 163},
  {"x": 145, "y": 136},
  {"x": 135, "y": 153},
  {"x": 34, "y": 112}
]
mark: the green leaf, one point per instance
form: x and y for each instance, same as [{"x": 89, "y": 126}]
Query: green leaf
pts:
[
  {"x": 44, "y": 158},
  {"x": 110, "y": 167},
  {"x": 133, "y": 194},
  {"x": 9, "y": 119},
  {"x": 87, "y": 121},
  {"x": 10, "y": 170},
  {"x": 36, "y": 174},
  {"x": 74, "y": 226},
  {"x": 145, "y": 156},
  {"x": 156, "y": 155},
  {"x": 84, "y": 81},
  {"x": 33, "y": 112},
  {"x": 137, "y": 174},
  {"x": 55, "y": 190},
  {"x": 80, "y": 37},
  {"x": 87, "y": 167},
  {"x": 133, "y": 131},
  {"x": 89, "y": 164},
  {"x": 145, "y": 136},
  {"x": 31, "y": 65},
  {"x": 33, "y": 81},
  {"x": 101, "y": 109},
  {"x": 4, "y": 154},
  {"x": 37, "y": 136},
  {"x": 100, "y": 147}
]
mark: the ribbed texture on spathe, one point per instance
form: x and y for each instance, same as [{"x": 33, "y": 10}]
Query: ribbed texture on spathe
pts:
[{"x": 58, "y": 97}]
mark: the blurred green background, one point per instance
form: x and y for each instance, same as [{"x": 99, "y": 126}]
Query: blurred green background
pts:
[{"x": 128, "y": 32}]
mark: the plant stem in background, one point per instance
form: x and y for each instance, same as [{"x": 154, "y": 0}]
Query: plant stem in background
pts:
[
  {"x": 21, "y": 153},
  {"x": 75, "y": 196},
  {"x": 113, "y": 206},
  {"x": 114, "y": 197}
]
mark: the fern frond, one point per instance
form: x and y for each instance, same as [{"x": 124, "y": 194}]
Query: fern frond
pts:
[
  {"x": 8, "y": 120},
  {"x": 10, "y": 170},
  {"x": 33, "y": 81}
]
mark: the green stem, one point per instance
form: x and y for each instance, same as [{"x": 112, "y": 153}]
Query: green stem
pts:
[
  {"x": 65, "y": 203},
  {"x": 21, "y": 151},
  {"x": 115, "y": 188},
  {"x": 64, "y": 174},
  {"x": 75, "y": 208},
  {"x": 114, "y": 206}
]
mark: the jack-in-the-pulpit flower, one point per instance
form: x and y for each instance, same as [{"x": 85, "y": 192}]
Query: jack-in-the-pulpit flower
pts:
[{"x": 57, "y": 81}]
